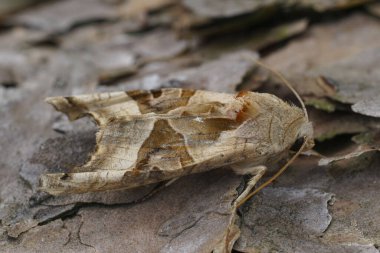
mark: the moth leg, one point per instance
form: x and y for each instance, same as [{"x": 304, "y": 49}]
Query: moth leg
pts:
[
  {"x": 156, "y": 190},
  {"x": 256, "y": 173},
  {"x": 170, "y": 182}
]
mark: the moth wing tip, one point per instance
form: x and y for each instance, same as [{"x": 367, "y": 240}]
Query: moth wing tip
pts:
[
  {"x": 53, "y": 100},
  {"x": 49, "y": 183}
]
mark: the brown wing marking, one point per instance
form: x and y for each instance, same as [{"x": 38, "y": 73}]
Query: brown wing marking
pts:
[
  {"x": 118, "y": 145},
  {"x": 101, "y": 106},
  {"x": 164, "y": 149},
  {"x": 200, "y": 130},
  {"x": 161, "y": 101}
]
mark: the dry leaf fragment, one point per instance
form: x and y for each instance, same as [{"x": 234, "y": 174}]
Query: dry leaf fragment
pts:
[
  {"x": 223, "y": 74},
  {"x": 230, "y": 8},
  {"x": 356, "y": 80},
  {"x": 10, "y": 6},
  {"x": 326, "y": 44},
  {"x": 60, "y": 16},
  {"x": 303, "y": 215},
  {"x": 209, "y": 197},
  {"x": 139, "y": 8},
  {"x": 255, "y": 40},
  {"x": 330, "y": 125},
  {"x": 369, "y": 106},
  {"x": 373, "y": 8}
]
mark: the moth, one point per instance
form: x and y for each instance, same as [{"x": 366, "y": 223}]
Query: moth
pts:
[{"x": 146, "y": 137}]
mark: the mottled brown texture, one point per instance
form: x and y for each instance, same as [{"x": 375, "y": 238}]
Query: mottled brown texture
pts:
[
  {"x": 146, "y": 138},
  {"x": 163, "y": 143},
  {"x": 160, "y": 101}
]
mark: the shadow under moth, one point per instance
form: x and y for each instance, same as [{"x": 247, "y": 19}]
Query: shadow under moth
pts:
[{"x": 147, "y": 137}]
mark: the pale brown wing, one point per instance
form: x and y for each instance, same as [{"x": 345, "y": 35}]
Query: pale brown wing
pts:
[
  {"x": 103, "y": 106},
  {"x": 163, "y": 142},
  {"x": 127, "y": 156}
]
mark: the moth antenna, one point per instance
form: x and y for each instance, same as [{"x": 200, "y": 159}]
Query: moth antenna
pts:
[
  {"x": 280, "y": 171},
  {"x": 287, "y": 83}
]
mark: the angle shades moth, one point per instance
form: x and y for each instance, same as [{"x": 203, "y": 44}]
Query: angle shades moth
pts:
[{"x": 146, "y": 137}]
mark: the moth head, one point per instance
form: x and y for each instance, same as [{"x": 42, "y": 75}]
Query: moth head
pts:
[
  {"x": 292, "y": 129},
  {"x": 274, "y": 121},
  {"x": 304, "y": 138},
  {"x": 306, "y": 134}
]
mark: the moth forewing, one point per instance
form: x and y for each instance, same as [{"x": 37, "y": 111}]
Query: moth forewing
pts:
[{"x": 152, "y": 136}]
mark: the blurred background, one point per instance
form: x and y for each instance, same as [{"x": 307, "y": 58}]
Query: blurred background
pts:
[{"x": 328, "y": 49}]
